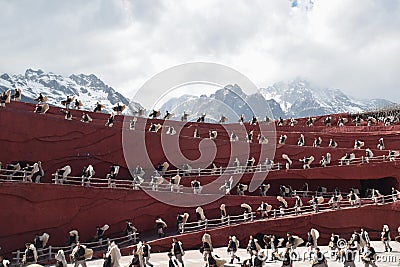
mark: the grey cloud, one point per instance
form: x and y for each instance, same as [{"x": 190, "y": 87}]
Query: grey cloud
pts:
[{"x": 350, "y": 45}]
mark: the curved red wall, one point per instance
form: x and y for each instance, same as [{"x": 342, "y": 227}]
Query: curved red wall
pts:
[{"x": 342, "y": 222}]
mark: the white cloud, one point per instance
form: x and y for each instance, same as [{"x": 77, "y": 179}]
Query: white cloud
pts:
[{"x": 347, "y": 44}]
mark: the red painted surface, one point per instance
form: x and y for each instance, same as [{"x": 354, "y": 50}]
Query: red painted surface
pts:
[
  {"x": 342, "y": 222},
  {"x": 56, "y": 209},
  {"x": 57, "y": 142}
]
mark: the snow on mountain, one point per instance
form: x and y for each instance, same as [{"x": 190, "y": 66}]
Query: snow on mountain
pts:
[
  {"x": 300, "y": 99},
  {"x": 296, "y": 98},
  {"x": 87, "y": 88},
  {"x": 229, "y": 101}
]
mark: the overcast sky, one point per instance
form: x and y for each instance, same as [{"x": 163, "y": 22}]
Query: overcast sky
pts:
[{"x": 352, "y": 45}]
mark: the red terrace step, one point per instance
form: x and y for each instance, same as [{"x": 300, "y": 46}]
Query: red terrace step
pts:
[
  {"x": 78, "y": 144},
  {"x": 381, "y": 176},
  {"x": 293, "y": 132},
  {"x": 342, "y": 222},
  {"x": 346, "y": 139},
  {"x": 57, "y": 142},
  {"x": 101, "y": 118},
  {"x": 58, "y": 209}
]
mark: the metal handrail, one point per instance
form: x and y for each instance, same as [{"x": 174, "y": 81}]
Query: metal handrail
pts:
[
  {"x": 215, "y": 223},
  {"x": 129, "y": 184},
  {"x": 311, "y": 193},
  {"x": 21, "y": 175},
  {"x": 294, "y": 211},
  {"x": 273, "y": 167},
  {"x": 122, "y": 184},
  {"x": 48, "y": 253}
]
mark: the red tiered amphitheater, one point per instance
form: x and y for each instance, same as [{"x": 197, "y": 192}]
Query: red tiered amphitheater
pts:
[{"x": 29, "y": 208}]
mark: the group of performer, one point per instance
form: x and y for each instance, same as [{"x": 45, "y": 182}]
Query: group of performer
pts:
[
  {"x": 28, "y": 172},
  {"x": 358, "y": 241},
  {"x": 264, "y": 209},
  {"x": 357, "y": 244},
  {"x": 81, "y": 252},
  {"x": 42, "y": 106},
  {"x": 61, "y": 175},
  {"x": 260, "y": 247},
  {"x": 387, "y": 117},
  {"x": 7, "y": 96},
  {"x": 343, "y": 251},
  {"x": 265, "y": 248},
  {"x": 306, "y": 162},
  {"x": 158, "y": 179}
]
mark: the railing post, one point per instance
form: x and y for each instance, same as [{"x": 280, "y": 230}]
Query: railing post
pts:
[
  {"x": 362, "y": 159},
  {"x": 18, "y": 256},
  {"x": 251, "y": 216},
  {"x": 199, "y": 171},
  {"x": 49, "y": 253},
  {"x": 274, "y": 213},
  {"x": 359, "y": 203},
  {"x": 279, "y": 166},
  {"x": 220, "y": 170},
  {"x": 205, "y": 224},
  {"x": 229, "y": 220}
]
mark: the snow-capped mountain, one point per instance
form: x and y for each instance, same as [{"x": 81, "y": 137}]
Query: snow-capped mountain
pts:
[
  {"x": 229, "y": 101},
  {"x": 296, "y": 98},
  {"x": 87, "y": 88}
]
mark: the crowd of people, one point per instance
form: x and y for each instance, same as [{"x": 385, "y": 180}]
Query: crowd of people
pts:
[
  {"x": 359, "y": 242},
  {"x": 68, "y": 103},
  {"x": 157, "y": 180},
  {"x": 306, "y": 161},
  {"x": 79, "y": 252},
  {"x": 387, "y": 117},
  {"x": 26, "y": 171},
  {"x": 261, "y": 248},
  {"x": 264, "y": 210}
]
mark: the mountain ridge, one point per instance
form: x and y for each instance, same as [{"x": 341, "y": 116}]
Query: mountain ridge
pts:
[
  {"x": 299, "y": 98},
  {"x": 295, "y": 98},
  {"x": 87, "y": 88}
]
